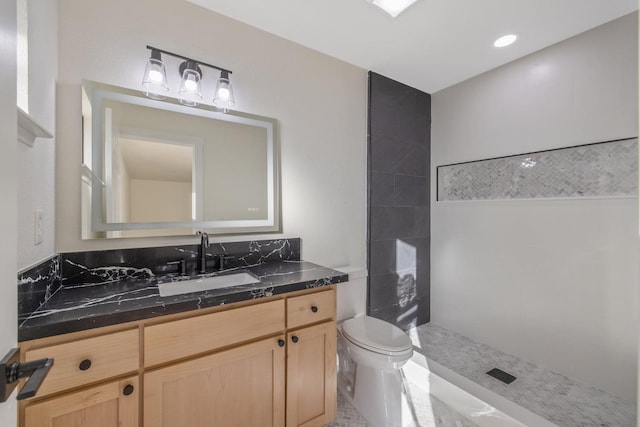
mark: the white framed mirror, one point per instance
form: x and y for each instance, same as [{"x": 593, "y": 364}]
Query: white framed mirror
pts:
[{"x": 159, "y": 168}]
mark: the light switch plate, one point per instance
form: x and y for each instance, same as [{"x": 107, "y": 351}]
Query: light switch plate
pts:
[{"x": 38, "y": 227}]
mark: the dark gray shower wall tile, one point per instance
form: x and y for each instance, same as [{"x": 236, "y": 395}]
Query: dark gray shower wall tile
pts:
[
  {"x": 383, "y": 290},
  {"x": 391, "y": 222},
  {"x": 405, "y": 317},
  {"x": 403, "y": 221},
  {"x": 414, "y": 127},
  {"x": 381, "y": 189},
  {"x": 382, "y": 258},
  {"x": 422, "y": 224},
  {"x": 424, "y": 309},
  {"x": 411, "y": 191},
  {"x": 394, "y": 100},
  {"x": 423, "y": 280},
  {"x": 381, "y": 223},
  {"x": 388, "y": 290},
  {"x": 423, "y": 161},
  {"x": 399, "y": 144},
  {"x": 421, "y": 247},
  {"x": 395, "y": 157},
  {"x": 396, "y": 133}
]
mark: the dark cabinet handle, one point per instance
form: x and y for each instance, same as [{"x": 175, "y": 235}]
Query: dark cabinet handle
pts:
[
  {"x": 85, "y": 364},
  {"x": 314, "y": 308},
  {"x": 128, "y": 389},
  {"x": 281, "y": 343},
  {"x": 294, "y": 338}
]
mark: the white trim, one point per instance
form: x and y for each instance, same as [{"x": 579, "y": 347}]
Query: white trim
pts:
[
  {"x": 541, "y": 199},
  {"x": 29, "y": 129},
  {"x": 473, "y": 401}
]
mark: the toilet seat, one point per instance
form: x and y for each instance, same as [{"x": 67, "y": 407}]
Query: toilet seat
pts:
[{"x": 377, "y": 336}]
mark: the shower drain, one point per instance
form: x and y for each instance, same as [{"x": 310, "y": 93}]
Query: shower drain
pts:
[{"x": 501, "y": 375}]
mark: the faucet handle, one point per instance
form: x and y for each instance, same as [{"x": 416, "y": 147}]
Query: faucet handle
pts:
[
  {"x": 182, "y": 265},
  {"x": 222, "y": 258}
]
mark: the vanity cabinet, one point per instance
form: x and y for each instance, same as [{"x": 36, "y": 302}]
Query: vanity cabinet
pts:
[
  {"x": 243, "y": 386},
  {"x": 268, "y": 362},
  {"x": 114, "y": 404}
]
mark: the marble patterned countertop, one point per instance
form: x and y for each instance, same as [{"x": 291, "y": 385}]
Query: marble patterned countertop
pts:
[{"x": 93, "y": 305}]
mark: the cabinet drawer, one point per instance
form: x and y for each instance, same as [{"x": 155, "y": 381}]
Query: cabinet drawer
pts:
[
  {"x": 183, "y": 338},
  {"x": 85, "y": 361},
  {"x": 311, "y": 308}
]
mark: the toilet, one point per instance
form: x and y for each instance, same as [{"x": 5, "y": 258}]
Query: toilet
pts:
[{"x": 370, "y": 355}]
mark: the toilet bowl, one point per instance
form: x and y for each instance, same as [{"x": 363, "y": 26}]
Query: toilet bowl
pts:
[{"x": 371, "y": 353}]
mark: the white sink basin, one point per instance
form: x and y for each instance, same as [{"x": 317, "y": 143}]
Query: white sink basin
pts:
[{"x": 206, "y": 283}]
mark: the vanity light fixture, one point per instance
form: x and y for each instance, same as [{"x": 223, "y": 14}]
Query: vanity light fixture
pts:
[
  {"x": 155, "y": 76},
  {"x": 223, "y": 96},
  {"x": 190, "y": 91},
  {"x": 393, "y": 7}
]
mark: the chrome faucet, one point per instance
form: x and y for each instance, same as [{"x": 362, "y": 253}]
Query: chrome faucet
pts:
[{"x": 204, "y": 244}]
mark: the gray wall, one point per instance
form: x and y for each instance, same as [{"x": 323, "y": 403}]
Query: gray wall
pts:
[
  {"x": 399, "y": 169},
  {"x": 551, "y": 281}
]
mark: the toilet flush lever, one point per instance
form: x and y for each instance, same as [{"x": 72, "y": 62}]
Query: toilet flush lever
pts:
[{"x": 11, "y": 371}]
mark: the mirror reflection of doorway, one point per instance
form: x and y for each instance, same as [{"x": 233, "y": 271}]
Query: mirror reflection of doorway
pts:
[{"x": 152, "y": 180}]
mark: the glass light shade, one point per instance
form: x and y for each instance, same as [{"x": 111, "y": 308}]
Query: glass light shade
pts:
[
  {"x": 223, "y": 96},
  {"x": 190, "y": 88},
  {"x": 393, "y": 7},
  {"x": 155, "y": 78}
]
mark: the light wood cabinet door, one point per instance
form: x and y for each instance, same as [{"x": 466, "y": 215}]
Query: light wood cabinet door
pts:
[
  {"x": 311, "y": 375},
  {"x": 114, "y": 404},
  {"x": 243, "y": 386}
]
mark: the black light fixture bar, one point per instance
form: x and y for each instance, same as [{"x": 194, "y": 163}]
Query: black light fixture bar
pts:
[{"x": 152, "y": 49}]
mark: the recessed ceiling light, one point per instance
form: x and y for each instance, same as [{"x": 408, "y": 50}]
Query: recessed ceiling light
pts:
[
  {"x": 505, "y": 40},
  {"x": 393, "y": 7}
]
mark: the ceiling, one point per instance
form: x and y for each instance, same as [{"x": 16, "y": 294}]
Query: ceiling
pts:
[{"x": 433, "y": 44}]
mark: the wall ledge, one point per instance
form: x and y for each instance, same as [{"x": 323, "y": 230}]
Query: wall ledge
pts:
[
  {"x": 29, "y": 129},
  {"x": 354, "y": 272}
]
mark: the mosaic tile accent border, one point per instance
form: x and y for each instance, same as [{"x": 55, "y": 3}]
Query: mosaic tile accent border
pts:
[{"x": 605, "y": 169}]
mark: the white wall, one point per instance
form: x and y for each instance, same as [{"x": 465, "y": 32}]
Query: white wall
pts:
[
  {"x": 159, "y": 201},
  {"x": 551, "y": 281},
  {"x": 36, "y": 183},
  {"x": 8, "y": 207},
  {"x": 319, "y": 101}
]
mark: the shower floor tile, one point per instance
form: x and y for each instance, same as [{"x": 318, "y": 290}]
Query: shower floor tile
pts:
[{"x": 550, "y": 395}]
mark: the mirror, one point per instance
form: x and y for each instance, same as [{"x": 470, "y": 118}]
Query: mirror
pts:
[{"x": 158, "y": 168}]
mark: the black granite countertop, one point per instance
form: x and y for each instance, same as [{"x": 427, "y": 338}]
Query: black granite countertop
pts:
[{"x": 94, "y": 305}]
